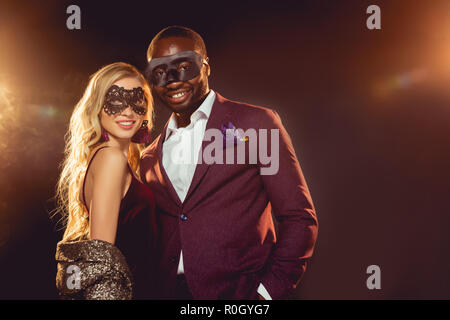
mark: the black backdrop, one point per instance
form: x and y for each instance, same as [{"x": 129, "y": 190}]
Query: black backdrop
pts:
[{"x": 367, "y": 112}]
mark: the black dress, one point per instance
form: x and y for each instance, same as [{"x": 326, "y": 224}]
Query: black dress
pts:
[{"x": 136, "y": 235}]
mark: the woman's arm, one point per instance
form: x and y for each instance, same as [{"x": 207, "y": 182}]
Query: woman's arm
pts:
[
  {"x": 109, "y": 173},
  {"x": 92, "y": 270}
]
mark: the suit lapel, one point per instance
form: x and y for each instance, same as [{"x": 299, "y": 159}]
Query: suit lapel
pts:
[
  {"x": 164, "y": 178},
  {"x": 218, "y": 116}
]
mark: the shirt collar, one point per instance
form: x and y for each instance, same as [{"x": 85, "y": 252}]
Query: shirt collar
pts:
[{"x": 204, "y": 111}]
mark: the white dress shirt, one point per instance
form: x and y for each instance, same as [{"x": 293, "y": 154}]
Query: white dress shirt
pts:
[{"x": 181, "y": 148}]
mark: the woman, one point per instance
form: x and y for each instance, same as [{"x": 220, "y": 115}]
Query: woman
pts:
[{"x": 110, "y": 237}]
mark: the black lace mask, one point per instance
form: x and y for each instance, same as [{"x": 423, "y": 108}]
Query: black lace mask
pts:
[{"x": 118, "y": 99}]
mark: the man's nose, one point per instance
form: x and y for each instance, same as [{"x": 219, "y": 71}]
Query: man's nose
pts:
[
  {"x": 173, "y": 85},
  {"x": 172, "y": 78}
]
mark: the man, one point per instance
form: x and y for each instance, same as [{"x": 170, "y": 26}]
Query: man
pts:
[{"x": 217, "y": 235}]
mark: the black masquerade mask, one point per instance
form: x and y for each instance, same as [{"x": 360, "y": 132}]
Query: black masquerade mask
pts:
[
  {"x": 182, "y": 66},
  {"x": 118, "y": 99}
]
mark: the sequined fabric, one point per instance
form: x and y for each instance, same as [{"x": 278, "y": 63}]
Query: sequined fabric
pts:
[{"x": 92, "y": 270}]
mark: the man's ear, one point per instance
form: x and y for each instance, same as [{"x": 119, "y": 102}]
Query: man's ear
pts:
[{"x": 209, "y": 69}]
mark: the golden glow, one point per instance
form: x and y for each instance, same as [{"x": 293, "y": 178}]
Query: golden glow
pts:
[
  {"x": 7, "y": 121},
  {"x": 5, "y": 105},
  {"x": 438, "y": 32},
  {"x": 432, "y": 68}
]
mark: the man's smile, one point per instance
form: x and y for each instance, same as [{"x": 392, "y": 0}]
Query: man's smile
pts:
[{"x": 178, "y": 96}]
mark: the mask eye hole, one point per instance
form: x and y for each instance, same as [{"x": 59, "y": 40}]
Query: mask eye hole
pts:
[
  {"x": 141, "y": 110},
  {"x": 112, "y": 109},
  {"x": 159, "y": 72},
  {"x": 183, "y": 66},
  {"x": 116, "y": 103}
]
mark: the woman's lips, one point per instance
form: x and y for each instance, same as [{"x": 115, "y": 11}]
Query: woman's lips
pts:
[
  {"x": 127, "y": 125},
  {"x": 178, "y": 96}
]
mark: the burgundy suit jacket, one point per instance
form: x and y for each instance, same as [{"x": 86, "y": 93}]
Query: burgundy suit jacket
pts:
[{"x": 224, "y": 226}]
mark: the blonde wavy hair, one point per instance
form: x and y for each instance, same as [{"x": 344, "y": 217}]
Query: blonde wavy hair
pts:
[{"x": 83, "y": 136}]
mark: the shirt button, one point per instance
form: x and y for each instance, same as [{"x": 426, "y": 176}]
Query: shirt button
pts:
[{"x": 183, "y": 217}]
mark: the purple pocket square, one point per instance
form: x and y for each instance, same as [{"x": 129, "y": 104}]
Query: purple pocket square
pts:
[{"x": 230, "y": 133}]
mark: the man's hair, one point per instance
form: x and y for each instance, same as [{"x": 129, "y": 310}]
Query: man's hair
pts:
[{"x": 179, "y": 32}]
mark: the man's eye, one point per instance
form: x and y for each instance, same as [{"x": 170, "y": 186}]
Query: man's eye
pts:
[
  {"x": 184, "y": 66},
  {"x": 159, "y": 72}
]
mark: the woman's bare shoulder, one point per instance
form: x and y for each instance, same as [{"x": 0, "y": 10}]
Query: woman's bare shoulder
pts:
[{"x": 110, "y": 159}]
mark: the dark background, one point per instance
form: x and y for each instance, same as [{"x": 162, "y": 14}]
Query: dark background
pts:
[{"x": 368, "y": 113}]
